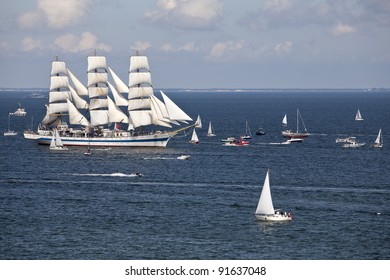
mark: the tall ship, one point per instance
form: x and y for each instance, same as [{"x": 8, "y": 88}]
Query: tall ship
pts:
[{"x": 108, "y": 114}]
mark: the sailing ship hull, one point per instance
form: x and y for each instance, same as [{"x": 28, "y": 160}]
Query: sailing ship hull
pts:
[{"x": 150, "y": 140}]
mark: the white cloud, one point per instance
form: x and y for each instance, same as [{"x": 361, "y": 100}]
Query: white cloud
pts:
[
  {"x": 220, "y": 49},
  {"x": 55, "y": 14},
  {"x": 186, "y": 14},
  {"x": 284, "y": 47},
  {"x": 167, "y": 47},
  {"x": 140, "y": 46},
  {"x": 29, "y": 44},
  {"x": 342, "y": 29},
  {"x": 74, "y": 43}
]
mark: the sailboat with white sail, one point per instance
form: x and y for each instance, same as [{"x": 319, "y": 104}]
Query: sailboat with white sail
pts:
[
  {"x": 379, "y": 140},
  {"x": 99, "y": 119},
  {"x": 248, "y": 133},
  {"x": 265, "y": 211},
  {"x": 10, "y": 132},
  {"x": 358, "y": 116},
  {"x": 210, "y": 131},
  {"x": 284, "y": 120},
  {"x": 297, "y": 134},
  {"x": 56, "y": 143},
  {"x": 194, "y": 137}
]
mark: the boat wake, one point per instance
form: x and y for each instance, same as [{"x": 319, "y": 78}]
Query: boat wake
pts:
[
  {"x": 160, "y": 158},
  {"x": 116, "y": 174}
]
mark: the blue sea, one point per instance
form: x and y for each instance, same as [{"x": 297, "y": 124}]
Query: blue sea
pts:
[{"x": 65, "y": 205}]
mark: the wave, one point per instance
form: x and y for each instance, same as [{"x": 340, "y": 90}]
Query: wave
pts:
[
  {"x": 161, "y": 158},
  {"x": 116, "y": 174}
]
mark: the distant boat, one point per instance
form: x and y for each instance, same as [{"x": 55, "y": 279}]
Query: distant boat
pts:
[
  {"x": 265, "y": 211},
  {"x": 229, "y": 139},
  {"x": 184, "y": 157},
  {"x": 297, "y": 134},
  {"x": 358, "y": 116},
  {"x": 352, "y": 143},
  {"x": 56, "y": 142},
  {"x": 87, "y": 151},
  {"x": 379, "y": 140},
  {"x": 194, "y": 138},
  {"x": 248, "y": 134},
  {"x": 9, "y": 132},
  {"x": 236, "y": 142},
  {"x": 20, "y": 112},
  {"x": 260, "y": 131},
  {"x": 210, "y": 131},
  {"x": 284, "y": 120}
]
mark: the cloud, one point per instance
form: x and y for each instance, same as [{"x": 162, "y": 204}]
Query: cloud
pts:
[
  {"x": 284, "y": 47},
  {"x": 55, "y": 14},
  {"x": 140, "y": 46},
  {"x": 220, "y": 49},
  {"x": 342, "y": 29},
  {"x": 29, "y": 44},
  {"x": 87, "y": 41},
  {"x": 186, "y": 14}
]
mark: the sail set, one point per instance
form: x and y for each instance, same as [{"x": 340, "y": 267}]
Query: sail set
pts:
[{"x": 142, "y": 106}]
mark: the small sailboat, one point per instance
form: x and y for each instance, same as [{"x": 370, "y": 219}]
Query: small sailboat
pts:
[
  {"x": 284, "y": 120},
  {"x": 290, "y": 134},
  {"x": 265, "y": 211},
  {"x": 358, "y": 116},
  {"x": 379, "y": 140},
  {"x": 248, "y": 134},
  {"x": 194, "y": 138},
  {"x": 210, "y": 132},
  {"x": 9, "y": 132},
  {"x": 87, "y": 151},
  {"x": 56, "y": 142}
]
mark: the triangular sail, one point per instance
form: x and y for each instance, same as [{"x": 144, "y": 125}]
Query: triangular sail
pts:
[
  {"x": 284, "y": 121},
  {"x": 80, "y": 88},
  {"x": 378, "y": 140},
  {"x": 75, "y": 117},
  {"x": 174, "y": 111},
  {"x": 194, "y": 137},
  {"x": 358, "y": 116},
  {"x": 210, "y": 131},
  {"x": 265, "y": 205}
]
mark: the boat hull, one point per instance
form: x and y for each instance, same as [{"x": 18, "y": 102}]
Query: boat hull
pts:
[
  {"x": 273, "y": 218},
  {"x": 150, "y": 140},
  {"x": 294, "y": 135}
]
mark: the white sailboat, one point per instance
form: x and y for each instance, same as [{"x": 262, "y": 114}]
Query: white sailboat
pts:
[
  {"x": 9, "y": 132},
  {"x": 299, "y": 135},
  {"x": 56, "y": 143},
  {"x": 265, "y": 211},
  {"x": 248, "y": 134},
  {"x": 379, "y": 140},
  {"x": 194, "y": 137},
  {"x": 137, "y": 125},
  {"x": 358, "y": 116},
  {"x": 284, "y": 120},
  {"x": 210, "y": 132}
]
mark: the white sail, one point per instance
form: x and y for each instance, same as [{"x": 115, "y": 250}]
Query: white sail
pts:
[
  {"x": 379, "y": 137},
  {"x": 98, "y": 103},
  {"x": 137, "y": 92},
  {"x": 58, "y": 68},
  {"x": 139, "y": 62},
  {"x": 174, "y": 111},
  {"x": 94, "y": 92},
  {"x": 56, "y": 96},
  {"x": 115, "y": 114},
  {"x": 210, "y": 131},
  {"x": 119, "y": 99},
  {"x": 284, "y": 121},
  {"x": 120, "y": 86},
  {"x": 77, "y": 100},
  {"x": 142, "y": 103},
  {"x": 80, "y": 88},
  {"x": 58, "y": 139},
  {"x": 358, "y": 116},
  {"x": 265, "y": 205},
  {"x": 140, "y": 78},
  {"x": 141, "y": 118},
  {"x": 96, "y": 78},
  {"x": 58, "y": 82},
  {"x": 55, "y": 108},
  {"x": 99, "y": 117},
  {"x": 157, "y": 114},
  {"x": 49, "y": 118},
  {"x": 194, "y": 137},
  {"x": 75, "y": 117},
  {"x": 96, "y": 62}
]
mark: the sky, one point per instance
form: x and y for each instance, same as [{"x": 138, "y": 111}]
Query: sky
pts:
[{"x": 202, "y": 43}]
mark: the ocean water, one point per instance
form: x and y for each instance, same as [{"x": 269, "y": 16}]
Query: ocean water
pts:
[{"x": 64, "y": 205}]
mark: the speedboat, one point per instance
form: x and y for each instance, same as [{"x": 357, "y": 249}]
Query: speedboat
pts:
[{"x": 184, "y": 157}]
